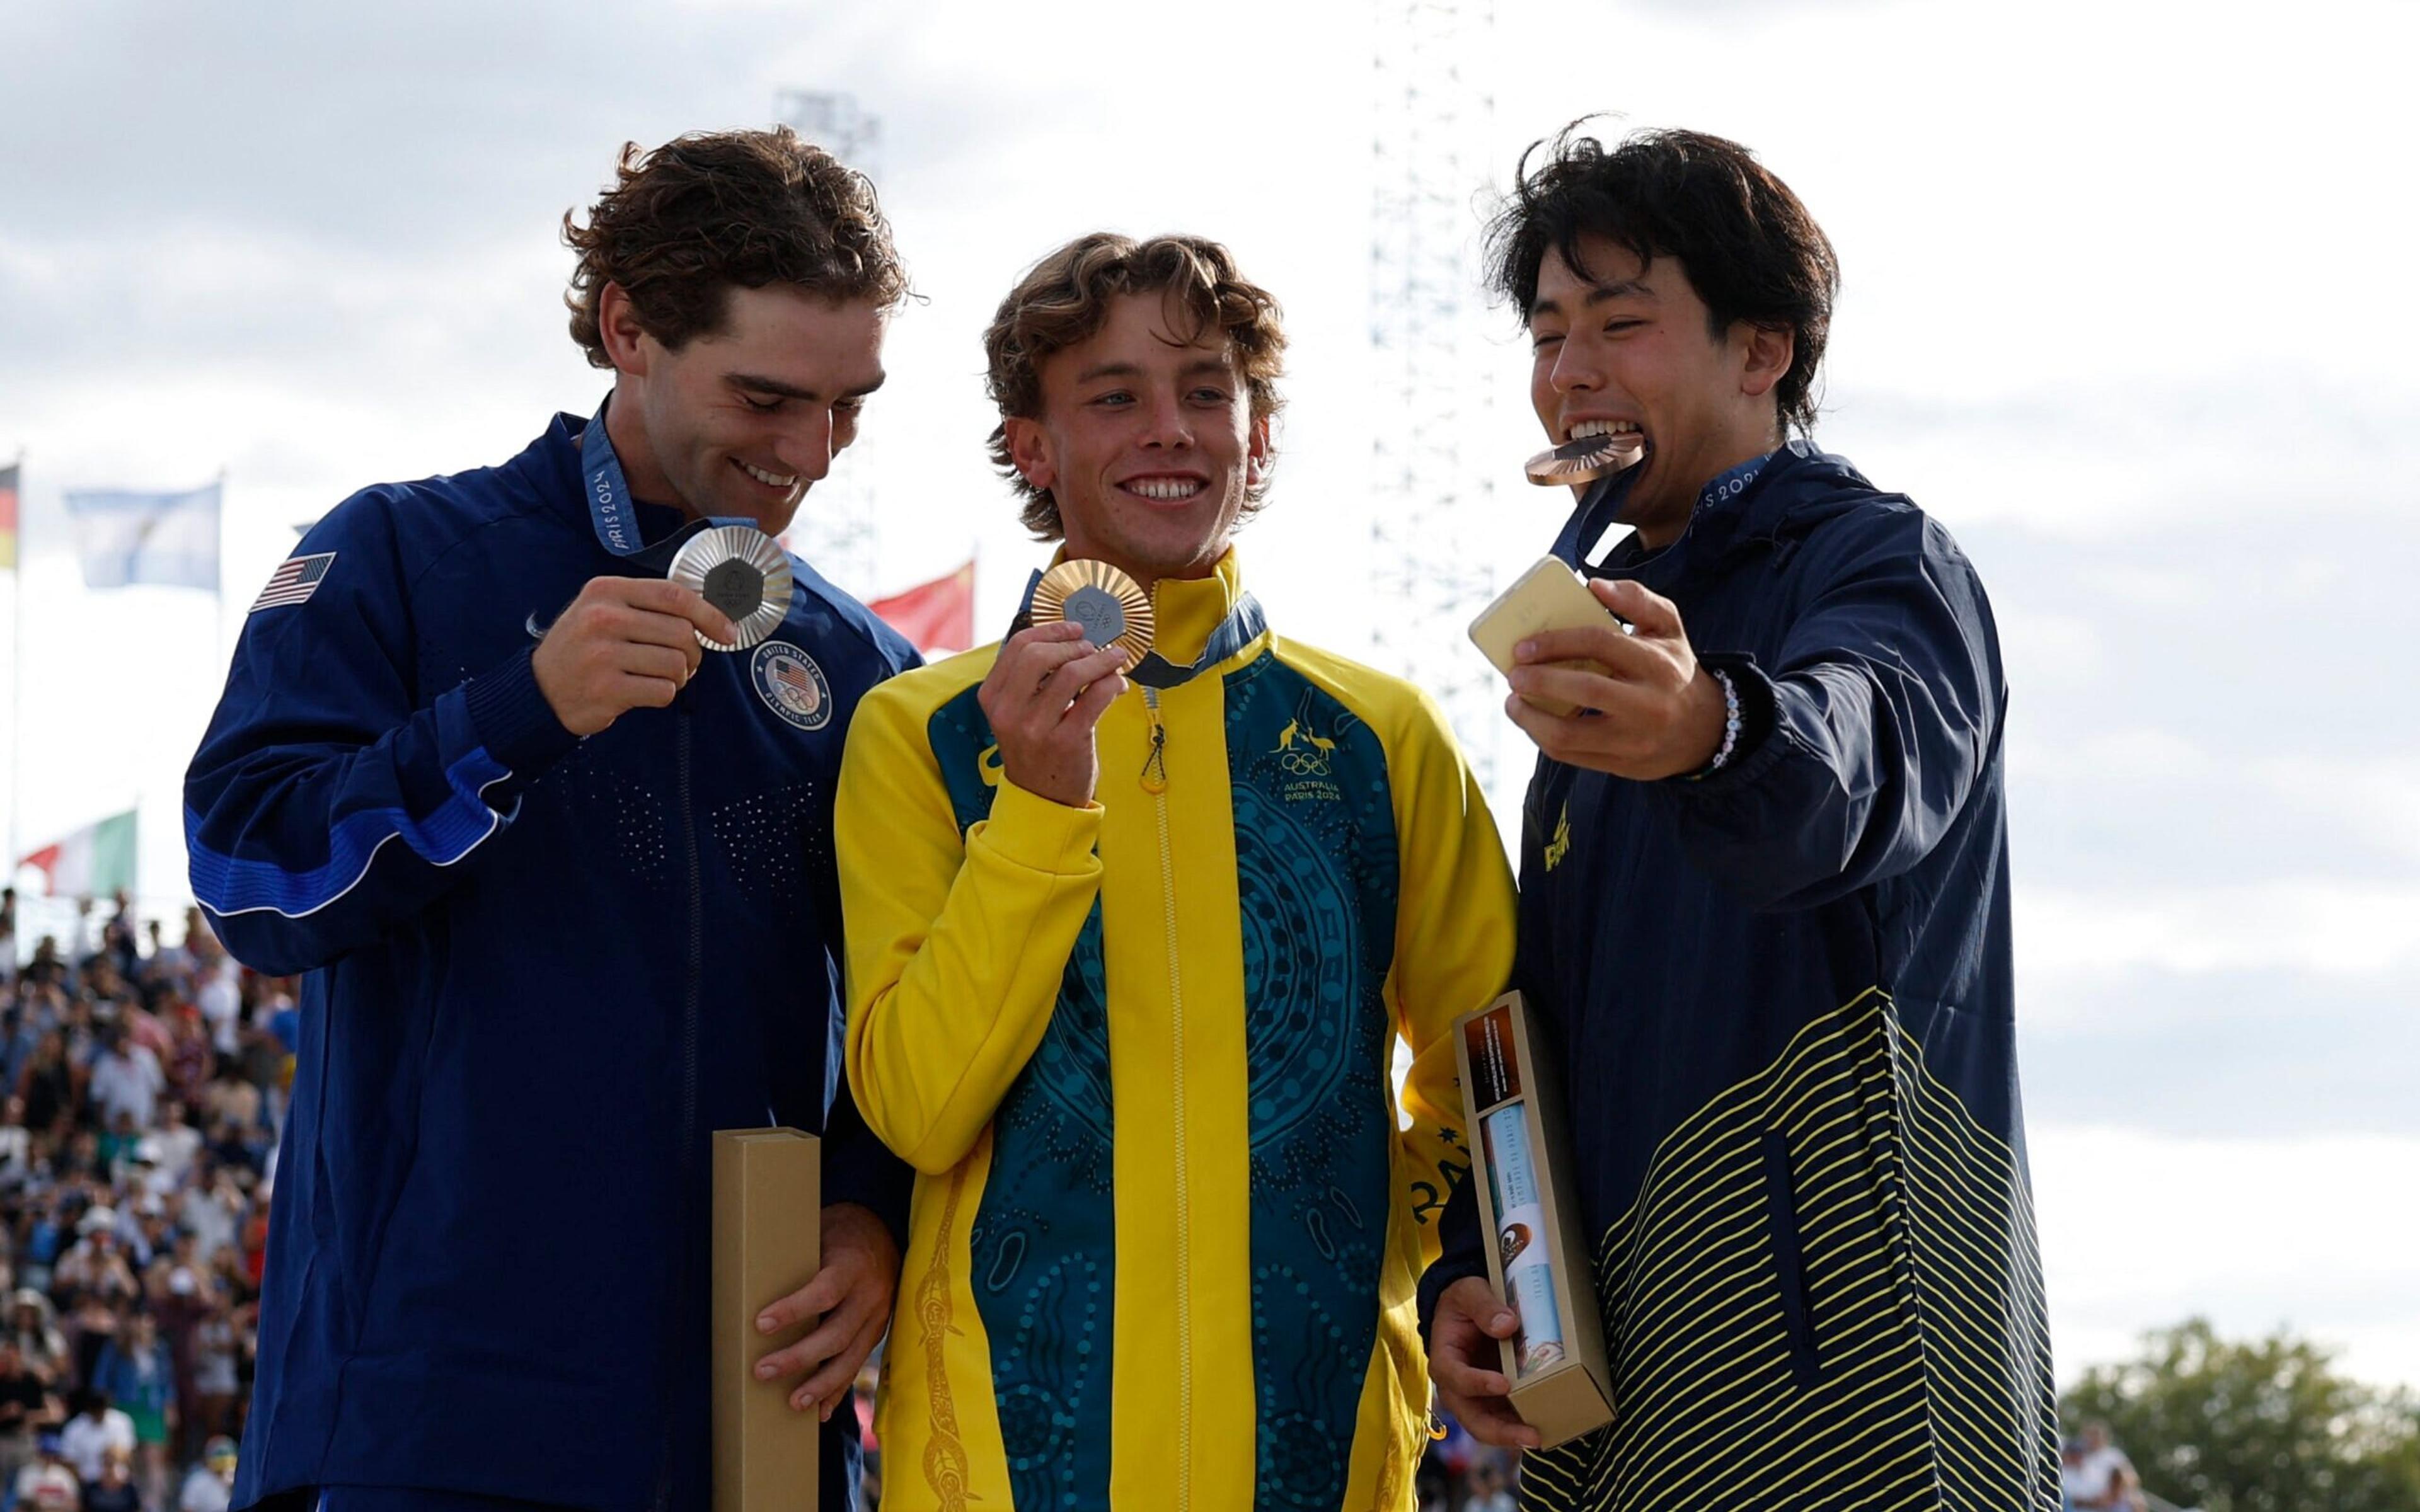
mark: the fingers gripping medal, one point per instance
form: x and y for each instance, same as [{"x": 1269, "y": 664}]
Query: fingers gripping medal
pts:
[
  {"x": 741, "y": 571},
  {"x": 1586, "y": 459},
  {"x": 1108, "y": 604}
]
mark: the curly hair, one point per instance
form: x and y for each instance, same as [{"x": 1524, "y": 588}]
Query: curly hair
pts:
[
  {"x": 1750, "y": 248},
  {"x": 686, "y": 222},
  {"x": 1064, "y": 298}
]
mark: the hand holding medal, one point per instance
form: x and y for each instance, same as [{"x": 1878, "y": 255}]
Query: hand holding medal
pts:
[
  {"x": 624, "y": 643},
  {"x": 1053, "y": 680}
]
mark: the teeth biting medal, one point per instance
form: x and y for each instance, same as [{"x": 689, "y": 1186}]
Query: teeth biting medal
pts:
[
  {"x": 1586, "y": 459},
  {"x": 741, "y": 571},
  {"x": 1109, "y": 606}
]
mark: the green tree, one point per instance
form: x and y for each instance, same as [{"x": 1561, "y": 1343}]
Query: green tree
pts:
[{"x": 2264, "y": 1425}]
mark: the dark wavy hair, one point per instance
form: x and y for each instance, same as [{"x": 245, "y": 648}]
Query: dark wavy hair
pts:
[
  {"x": 686, "y": 222},
  {"x": 1750, "y": 248},
  {"x": 1064, "y": 298}
]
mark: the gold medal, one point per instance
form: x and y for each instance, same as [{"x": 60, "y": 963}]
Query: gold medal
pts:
[
  {"x": 1112, "y": 609},
  {"x": 741, "y": 571},
  {"x": 1586, "y": 459}
]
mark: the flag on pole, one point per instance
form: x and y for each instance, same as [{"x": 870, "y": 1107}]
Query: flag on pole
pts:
[
  {"x": 166, "y": 538},
  {"x": 8, "y": 517},
  {"x": 92, "y": 863},
  {"x": 939, "y": 615}
]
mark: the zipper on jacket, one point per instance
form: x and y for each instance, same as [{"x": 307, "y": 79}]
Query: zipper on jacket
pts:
[
  {"x": 1155, "y": 767},
  {"x": 693, "y": 967},
  {"x": 1154, "y": 781}
]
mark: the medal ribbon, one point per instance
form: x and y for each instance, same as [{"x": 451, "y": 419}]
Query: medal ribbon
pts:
[
  {"x": 613, "y": 510},
  {"x": 1242, "y": 625}
]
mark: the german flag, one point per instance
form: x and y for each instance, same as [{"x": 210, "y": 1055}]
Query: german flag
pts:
[{"x": 8, "y": 517}]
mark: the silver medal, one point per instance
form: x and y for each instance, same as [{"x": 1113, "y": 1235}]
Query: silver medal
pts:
[{"x": 741, "y": 571}]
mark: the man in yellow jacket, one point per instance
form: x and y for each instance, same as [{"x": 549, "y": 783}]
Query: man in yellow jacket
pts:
[{"x": 1129, "y": 948}]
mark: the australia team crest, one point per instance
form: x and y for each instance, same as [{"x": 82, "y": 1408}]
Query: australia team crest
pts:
[{"x": 791, "y": 685}]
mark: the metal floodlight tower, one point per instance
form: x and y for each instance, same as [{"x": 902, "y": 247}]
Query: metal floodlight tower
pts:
[
  {"x": 1433, "y": 493},
  {"x": 834, "y": 529}
]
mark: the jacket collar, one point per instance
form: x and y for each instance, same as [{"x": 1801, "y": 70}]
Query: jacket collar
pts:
[
  {"x": 1795, "y": 488},
  {"x": 1186, "y": 611},
  {"x": 550, "y": 466}
]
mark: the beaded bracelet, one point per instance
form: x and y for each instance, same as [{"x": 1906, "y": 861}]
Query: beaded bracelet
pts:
[{"x": 1731, "y": 722}]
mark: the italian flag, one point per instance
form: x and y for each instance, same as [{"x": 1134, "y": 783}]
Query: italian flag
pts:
[{"x": 93, "y": 862}]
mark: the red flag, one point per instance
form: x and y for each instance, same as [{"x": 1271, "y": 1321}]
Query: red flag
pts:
[{"x": 939, "y": 615}]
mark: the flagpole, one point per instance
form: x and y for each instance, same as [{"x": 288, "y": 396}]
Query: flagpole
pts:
[
  {"x": 17, "y": 685},
  {"x": 218, "y": 589}
]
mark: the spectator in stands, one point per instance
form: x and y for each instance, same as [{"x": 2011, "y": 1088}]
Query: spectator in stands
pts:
[
  {"x": 126, "y": 1079},
  {"x": 25, "y": 1409},
  {"x": 48, "y": 1484},
  {"x": 1490, "y": 1489},
  {"x": 39, "y": 1346},
  {"x": 130, "y": 1196},
  {"x": 47, "y": 1085},
  {"x": 95, "y": 1264},
  {"x": 211, "y": 1484},
  {"x": 136, "y": 1369},
  {"x": 116, "y": 1490},
  {"x": 2096, "y": 1476},
  {"x": 96, "y": 1428}
]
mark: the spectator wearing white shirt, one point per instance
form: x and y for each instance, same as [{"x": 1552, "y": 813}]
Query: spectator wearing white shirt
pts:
[
  {"x": 48, "y": 1484},
  {"x": 212, "y": 1485},
  {"x": 220, "y": 996},
  {"x": 125, "y": 1079},
  {"x": 96, "y": 1428},
  {"x": 2095, "y": 1476}
]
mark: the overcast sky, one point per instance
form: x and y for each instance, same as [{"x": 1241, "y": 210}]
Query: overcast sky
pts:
[{"x": 2125, "y": 303}]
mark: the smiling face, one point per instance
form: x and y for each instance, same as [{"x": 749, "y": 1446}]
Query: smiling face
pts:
[
  {"x": 742, "y": 421},
  {"x": 1629, "y": 349},
  {"x": 1146, "y": 443}
]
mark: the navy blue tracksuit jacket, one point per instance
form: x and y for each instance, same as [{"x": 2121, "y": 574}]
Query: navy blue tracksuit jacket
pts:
[
  {"x": 538, "y": 973},
  {"x": 1781, "y": 1000}
]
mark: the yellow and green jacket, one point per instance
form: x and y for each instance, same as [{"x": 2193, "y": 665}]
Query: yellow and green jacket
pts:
[{"x": 1168, "y": 1217}]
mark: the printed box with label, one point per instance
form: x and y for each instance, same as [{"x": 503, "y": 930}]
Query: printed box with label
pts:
[{"x": 1539, "y": 1261}]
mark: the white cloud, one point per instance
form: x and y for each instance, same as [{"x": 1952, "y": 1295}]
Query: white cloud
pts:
[
  {"x": 2312, "y": 924},
  {"x": 2140, "y": 1230}
]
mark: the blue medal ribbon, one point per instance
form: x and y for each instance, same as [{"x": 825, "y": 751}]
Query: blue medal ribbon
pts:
[
  {"x": 1599, "y": 506},
  {"x": 614, "y": 510}
]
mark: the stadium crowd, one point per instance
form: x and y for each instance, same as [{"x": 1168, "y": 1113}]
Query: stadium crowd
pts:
[{"x": 145, "y": 1079}]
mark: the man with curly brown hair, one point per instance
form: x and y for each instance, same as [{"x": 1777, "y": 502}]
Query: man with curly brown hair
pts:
[
  {"x": 561, "y": 884},
  {"x": 1132, "y": 945}
]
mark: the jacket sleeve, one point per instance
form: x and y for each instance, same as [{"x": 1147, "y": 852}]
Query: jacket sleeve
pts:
[
  {"x": 1882, "y": 712},
  {"x": 955, "y": 948},
  {"x": 326, "y": 804},
  {"x": 857, "y": 1167},
  {"x": 1454, "y": 953}
]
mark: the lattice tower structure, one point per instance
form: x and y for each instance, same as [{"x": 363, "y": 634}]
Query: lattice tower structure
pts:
[
  {"x": 1433, "y": 490},
  {"x": 834, "y": 529}
]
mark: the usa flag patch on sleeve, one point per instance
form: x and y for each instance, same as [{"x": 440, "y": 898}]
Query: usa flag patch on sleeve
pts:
[{"x": 295, "y": 582}]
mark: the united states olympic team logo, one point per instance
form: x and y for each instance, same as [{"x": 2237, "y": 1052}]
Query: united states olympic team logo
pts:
[{"x": 791, "y": 685}]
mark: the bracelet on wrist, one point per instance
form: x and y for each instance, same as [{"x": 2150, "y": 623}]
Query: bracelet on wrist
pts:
[{"x": 1730, "y": 726}]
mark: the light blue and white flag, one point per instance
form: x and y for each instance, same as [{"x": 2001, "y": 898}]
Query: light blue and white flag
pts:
[{"x": 169, "y": 538}]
